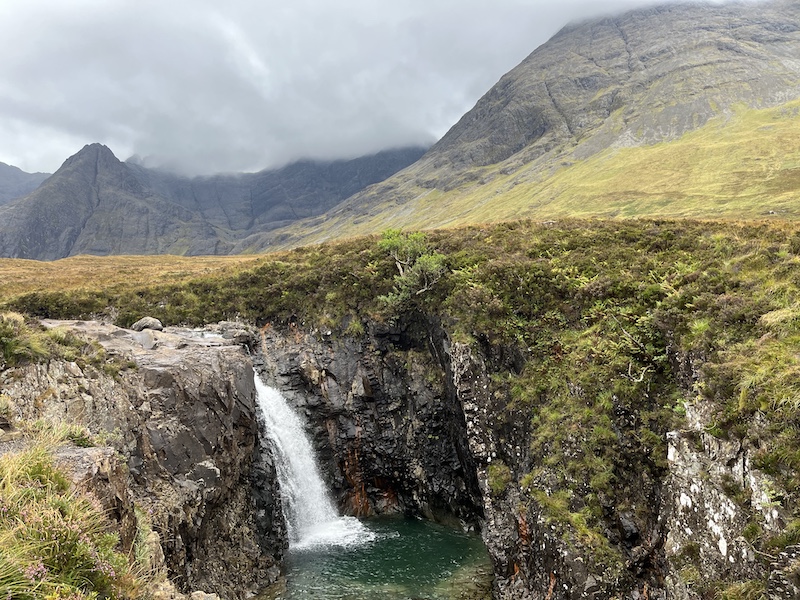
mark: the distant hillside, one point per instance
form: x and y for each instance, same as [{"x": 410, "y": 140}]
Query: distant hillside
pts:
[
  {"x": 682, "y": 110},
  {"x": 95, "y": 204},
  {"x": 15, "y": 182}
]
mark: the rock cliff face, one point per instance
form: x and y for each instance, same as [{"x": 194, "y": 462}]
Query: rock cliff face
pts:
[
  {"x": 183, "y": 417},
  {"x": 714, "y": 494},
  {"x": 403, "y": 420},
  {"x": 406, "y": 420},
  {"x": 386, "y": 423}
]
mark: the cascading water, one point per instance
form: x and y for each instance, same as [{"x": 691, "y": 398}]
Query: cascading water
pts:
[{"x": 311, "y": 519}]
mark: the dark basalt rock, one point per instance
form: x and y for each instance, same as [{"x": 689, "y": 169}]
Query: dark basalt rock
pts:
[{"x": 386, "y": 424}]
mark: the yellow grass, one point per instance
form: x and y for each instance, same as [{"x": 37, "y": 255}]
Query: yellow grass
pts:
[{"x": 18, "y": 276}]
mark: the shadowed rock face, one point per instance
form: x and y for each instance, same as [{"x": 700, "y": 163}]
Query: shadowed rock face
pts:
[
  {"x": 387, "y": 426},
  {"x": 405, "y": 420},
  {"x": 95, "y": 204}
]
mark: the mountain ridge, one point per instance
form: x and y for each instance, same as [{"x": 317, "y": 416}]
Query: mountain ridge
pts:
[
  {"x": 15, "y": 183},
  {"x": 96, "y": 204},
  {"x": 666, "y": 111},
  {"x": 639, "y": 80}
]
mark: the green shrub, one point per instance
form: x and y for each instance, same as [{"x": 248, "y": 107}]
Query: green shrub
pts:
[{"x": 499, "y": 477}]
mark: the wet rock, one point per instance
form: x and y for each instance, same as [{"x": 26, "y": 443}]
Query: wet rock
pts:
[
  {"x": 628, "y": 526},
  {"x": 387, "y": 427}
]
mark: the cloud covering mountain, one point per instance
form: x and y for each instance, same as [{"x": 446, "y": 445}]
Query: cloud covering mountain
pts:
[{"x": 207, "y": 87}]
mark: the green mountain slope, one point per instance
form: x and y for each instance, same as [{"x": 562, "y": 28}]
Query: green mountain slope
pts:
[{"x": 686, "y": 110}]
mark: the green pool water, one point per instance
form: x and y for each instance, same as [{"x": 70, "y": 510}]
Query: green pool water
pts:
[{"x": 404, "y": 559}]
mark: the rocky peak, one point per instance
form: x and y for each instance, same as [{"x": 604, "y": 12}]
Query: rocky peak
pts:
[
  {"x": 667, "y": 69},
  {"x": 96, "y": 204},
  {"x": 92, "y": 153}
]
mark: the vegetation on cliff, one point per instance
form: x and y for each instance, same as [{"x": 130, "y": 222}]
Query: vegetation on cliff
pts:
[
  {"x": 57, "y": 542},
  {"x": 598, "y": 334},
  {"x": 24, "y": 341}
]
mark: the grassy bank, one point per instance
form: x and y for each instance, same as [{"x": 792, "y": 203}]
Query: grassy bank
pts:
[{"x": 57, "y": 542}]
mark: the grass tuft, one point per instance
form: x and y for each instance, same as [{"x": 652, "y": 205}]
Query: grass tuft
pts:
[{"x": 57, "y": 542}]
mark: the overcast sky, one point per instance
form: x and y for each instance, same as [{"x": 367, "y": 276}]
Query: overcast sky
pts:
[{"x": 210, "y": 86}]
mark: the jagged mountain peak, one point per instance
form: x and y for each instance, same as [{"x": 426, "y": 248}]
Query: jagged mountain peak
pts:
[
  {"x": 96, "y": 204},
  {"x": 96, "y": 154}
]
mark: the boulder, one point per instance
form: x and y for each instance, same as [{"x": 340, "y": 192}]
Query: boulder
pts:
[{"x": 147, "y": 323}]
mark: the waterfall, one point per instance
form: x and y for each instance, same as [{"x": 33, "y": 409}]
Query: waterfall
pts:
[{"x": 311, "y": 519}]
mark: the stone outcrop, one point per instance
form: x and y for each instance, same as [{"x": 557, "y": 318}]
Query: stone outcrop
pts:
[
  {"x": 387, "y": 426},
  {"x": 147, "y": 323},
  {"x": 403, "y": 419},
  {"x": 714, "y": 492},
  {"x": 181, "y": 414},
  {"x": 531, "y": 556},
  {"x": 688, "y": 530}
]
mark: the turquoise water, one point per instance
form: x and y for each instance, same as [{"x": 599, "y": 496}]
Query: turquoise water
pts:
[{"x": 407, "y": 559}]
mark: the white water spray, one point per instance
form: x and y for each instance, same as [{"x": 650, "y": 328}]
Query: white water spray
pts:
[{"x": 311, "y": 519}]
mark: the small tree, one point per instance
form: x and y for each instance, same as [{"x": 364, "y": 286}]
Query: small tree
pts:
[
  {"x": 404, "y": 248},
  {"x": 419, "y": 268}
]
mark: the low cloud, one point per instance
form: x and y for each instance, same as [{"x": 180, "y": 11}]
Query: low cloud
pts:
[{"x": 204, "y": 86}]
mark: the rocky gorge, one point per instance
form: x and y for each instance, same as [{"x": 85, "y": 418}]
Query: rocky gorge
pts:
[{"x": 404, "y": 418}]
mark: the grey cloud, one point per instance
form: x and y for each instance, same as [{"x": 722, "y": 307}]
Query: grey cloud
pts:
[{"x": 205, "y": 86}]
